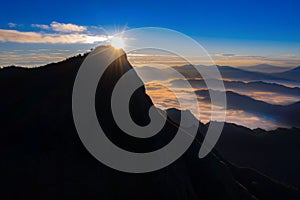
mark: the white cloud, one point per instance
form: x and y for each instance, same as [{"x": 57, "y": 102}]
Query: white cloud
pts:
[
  {"x": 41, "y": 26},
  {"x": 61, "y": 27},
  {"x": 11, "y": 25},
  {"x": 33, "y": 37}
]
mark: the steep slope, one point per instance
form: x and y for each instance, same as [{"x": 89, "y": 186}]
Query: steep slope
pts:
[
  {"x": 274, "y": 153},
  {"x": 42, "y": 156}
]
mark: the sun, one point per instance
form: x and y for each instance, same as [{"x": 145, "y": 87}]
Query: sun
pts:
[{"x": 117, "y": 42}]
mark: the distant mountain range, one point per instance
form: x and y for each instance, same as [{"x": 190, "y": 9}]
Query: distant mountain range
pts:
[
  {"x": 289, "y": 77},
  {"x": 288, "y": 115},
  {"x": 265, "y": 68},
  {"x": 233, "y": 73},
  {"x": 240, "y": 85},
  {"x": 42, "y": 156},
  {"x": 245, "y": 86},
  {"x": 293, "y": 74}
]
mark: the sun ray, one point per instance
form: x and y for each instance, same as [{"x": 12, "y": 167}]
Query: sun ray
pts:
[{"x": 117, "y": 42}]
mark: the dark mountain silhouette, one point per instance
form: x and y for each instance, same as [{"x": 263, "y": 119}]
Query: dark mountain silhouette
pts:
[
  {"x": 265, "y": 68},
  {"x": 274, "y": 153},
  {"x": 227, "y": 72},
  {"x": 42, "y": 156},
  {"x": 239, "y": 74},
  {"x": 245, "y": 86},
  {"x": 293, "y": 74},
  {"x": 263, "y": 87},
  {"x": 288, "y": 115}
]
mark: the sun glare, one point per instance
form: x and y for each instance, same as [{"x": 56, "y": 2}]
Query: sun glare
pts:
[{"x": 117, "y": 42}]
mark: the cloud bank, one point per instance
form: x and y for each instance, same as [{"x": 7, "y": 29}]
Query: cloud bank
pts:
[
  {"x": 55, "y": 38},
  {"x": 61, "y": 27}
]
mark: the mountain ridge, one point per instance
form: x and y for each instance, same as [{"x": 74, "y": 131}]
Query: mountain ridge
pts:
[
  {"x": 43, "y": 157},
  {"x": 293, "y": 74},
  {"x": 266, "y": 68}
]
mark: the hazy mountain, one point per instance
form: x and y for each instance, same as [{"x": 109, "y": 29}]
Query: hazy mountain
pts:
[
  {"x": 227, "y": 72},
  {"x": 288, "y": 115},
  {"x": 244, "y": 86},
  {"x": 263, "y": 87},
  {"x": 42, "y": 156},
  {"x": 293, "y": 74},
  {"x": 148, "y": 73},
  {"x": 265, "y": 68}
]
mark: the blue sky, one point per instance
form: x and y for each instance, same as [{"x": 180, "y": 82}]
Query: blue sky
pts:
[{"x": 252, "y": 28}]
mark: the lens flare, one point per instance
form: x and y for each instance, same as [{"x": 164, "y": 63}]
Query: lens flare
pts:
[{"x": 117, "y": 42}]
